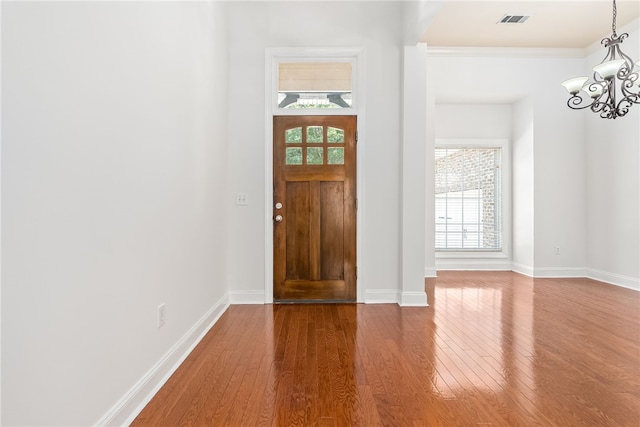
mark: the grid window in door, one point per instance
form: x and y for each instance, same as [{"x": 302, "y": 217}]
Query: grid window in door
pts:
[
  {"x": 316, "y": 145},
  {"x": 468, "y": 199}
]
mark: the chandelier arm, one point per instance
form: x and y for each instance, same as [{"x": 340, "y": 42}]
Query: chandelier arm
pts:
[
  {"x": 630, "y": 100},
  {"x": 605, "y": 103},
  {"x": 608, "y": 57},
  {"x": 627, "y": 68},
  {"x": 598, "y": 106},
  {"x": 628, "y": 84},
  {"x": 576, "y": 102},
  {"x": 611, "y": 92},
  {"x": 607, "y": 111},
  {"x": 623, "y": 107}
]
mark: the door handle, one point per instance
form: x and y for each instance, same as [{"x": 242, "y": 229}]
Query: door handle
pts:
[{"x": 278, "y": 218}]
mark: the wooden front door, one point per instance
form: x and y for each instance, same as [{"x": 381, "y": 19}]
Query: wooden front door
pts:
[{"x": 314, "y": 213}]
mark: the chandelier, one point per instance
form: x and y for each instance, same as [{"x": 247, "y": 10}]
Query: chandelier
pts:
[{"x": 615, "y": 86}]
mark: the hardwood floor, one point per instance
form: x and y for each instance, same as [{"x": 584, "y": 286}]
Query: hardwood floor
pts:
[{"x": 493, "y": 349}]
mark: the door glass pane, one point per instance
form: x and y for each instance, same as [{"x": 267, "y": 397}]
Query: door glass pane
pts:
[
  {"x": 314, "y": 156},
  {"x": 293, "y": 135},
  {"x": 294, "y": 156},
  {"x": 335, "y": 156},
  {"x": 335, "y": 135},
  {"x": 314, "y": 134}
]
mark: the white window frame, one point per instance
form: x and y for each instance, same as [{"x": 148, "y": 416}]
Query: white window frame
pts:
[
  {"x": 297, "y": 55},
  {"x": 490, "y": 260}
]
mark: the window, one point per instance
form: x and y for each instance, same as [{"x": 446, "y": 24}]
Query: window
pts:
[
  {"x": 314, "y": 144},
  {"x": 468, "y": 196},
  {"x": 304, "y": 85}
]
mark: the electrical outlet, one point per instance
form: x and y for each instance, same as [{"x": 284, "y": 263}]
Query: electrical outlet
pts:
[
  {"x": 557, "y": 250},
  {"x": 161, "y": 315},
  {"x": 242, "y": 199}
]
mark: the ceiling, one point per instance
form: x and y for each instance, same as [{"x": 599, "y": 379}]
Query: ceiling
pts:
[{"x": 553, "y": 24}]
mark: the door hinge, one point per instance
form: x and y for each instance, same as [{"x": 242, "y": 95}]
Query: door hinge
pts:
[
  {"x": 356, "y": 273},
  {"x": 356, "y": 137},
  {"x": 356, "y": 204}
]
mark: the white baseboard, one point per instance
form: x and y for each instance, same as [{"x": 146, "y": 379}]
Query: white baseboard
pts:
[
  {"x": 413, "y": 299},
  {"x": 473, "y": 265},
  {"x": 522, "y": 269},
  {"x": 430, "y": 272},
  {"x": 614, "y": 279},
  {"x": 134, "y": 401},
  {"x": 246, "y": 297},
  {"x": 559, "y": 272},
  {"x": 382, "y": 296}
]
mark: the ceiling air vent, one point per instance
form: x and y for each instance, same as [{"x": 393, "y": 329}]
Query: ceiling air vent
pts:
[{"x": 514, "y": 19}]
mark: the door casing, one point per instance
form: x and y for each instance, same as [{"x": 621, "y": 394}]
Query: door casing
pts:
[{"x": 273, "y": 56}]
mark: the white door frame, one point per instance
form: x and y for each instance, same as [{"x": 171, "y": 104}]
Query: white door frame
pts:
[{"x": 273, "y": 57}]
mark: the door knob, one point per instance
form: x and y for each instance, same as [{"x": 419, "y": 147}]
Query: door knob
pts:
[{"x": 278, "y": 218}]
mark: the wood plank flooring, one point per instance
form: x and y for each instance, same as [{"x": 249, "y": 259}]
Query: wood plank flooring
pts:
[{"x": 493, "y": 349}]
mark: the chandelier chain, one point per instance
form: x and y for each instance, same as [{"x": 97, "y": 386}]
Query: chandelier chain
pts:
[{"x": 615, "y": 15}]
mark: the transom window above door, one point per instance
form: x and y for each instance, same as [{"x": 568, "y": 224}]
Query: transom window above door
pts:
[{"x": 311, "y": 85}]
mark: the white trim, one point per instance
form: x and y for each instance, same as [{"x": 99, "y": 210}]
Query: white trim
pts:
[
  {"x": 1, "y": 149},
  {"x": 485, "y": 264},
  {"x": 471, "y": 255},
  {"x": 614, "y": 279},
  {"x": 505, "y": 52},
  {"x": 430, "y": 272},
  {"x": 280, "y": 55},
  {"x": 268, "y": 177},
  {"x": 360, "y": 175},
  {"x": 321, "y": 54},
  {"x": 413, "y": 173},
  {"x": 553, "y": 272},
  {"x": 382, "y": 296},
  {"x": 246, "y": 297},
  {"x": 505, "y": 254},
  {"x": 134, "y": 401},
  {"x": 522, "y": 269},
  {"x": 413, "y": 299}
]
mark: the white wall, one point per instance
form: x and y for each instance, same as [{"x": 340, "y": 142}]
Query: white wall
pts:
[
  {"x": 468, "y": 121},
  {"x": 373, "y": 26},
  {"x": 417, "y": 15},
  {"x": 559, "y": 184},
  {"x": 430, "y": 269},
  {"x": 613, "y": 188},
  {"x": 114, "y": 168},
  {"x": 414, "y": 136},
  {"x": 522, "y": 187},
  {"x": 559, "y": 192}
]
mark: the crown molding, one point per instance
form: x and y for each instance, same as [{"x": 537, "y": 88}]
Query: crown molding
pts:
[{"x": 505, "y": 52}]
